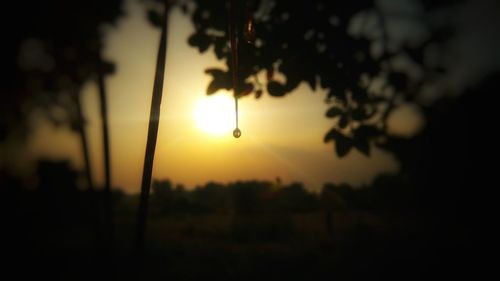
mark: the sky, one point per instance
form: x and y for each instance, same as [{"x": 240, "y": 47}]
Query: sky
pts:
[{"x": 281, "y": 137}]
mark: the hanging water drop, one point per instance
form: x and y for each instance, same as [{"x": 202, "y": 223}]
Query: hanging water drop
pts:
[
  {"x": 237, "y": 133},
  {"x": 249, "y": 32}
]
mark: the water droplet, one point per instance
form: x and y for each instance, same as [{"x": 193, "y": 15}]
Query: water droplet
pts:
[{"x": 237, "y": 133}]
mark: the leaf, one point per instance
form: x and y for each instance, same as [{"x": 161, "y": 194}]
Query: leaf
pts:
[
  {"x": 311, "y": 81},
  {"x": 334, "y": 112},
  {"x": 214, "y": 71},
  {"x": 343, "y": 121},
  {"x": 365, "y": 131},
  {"x": 333, "y": 134},
  {"x": 360, "y": 113},
  {"x": 363, "y": 145},
  {"x": 200, "y": 40},
  {"x": 246, "y": 89},
  {"x": 343, "y": 144},
  {"x": 221, "y": 80},
  {"x": 337, "y": 91},
  {"x": 359, "y": 94},
  {"x": 154, "y": 18},
  {"x": 362, "y": 136},
  {"x": 220, "y": 48},
  {"x": 213, "y": 87},
  {"x": 258, "y": 94},
  {"x": 216, "y": 85},
  {"x": 276, "y": 89}
]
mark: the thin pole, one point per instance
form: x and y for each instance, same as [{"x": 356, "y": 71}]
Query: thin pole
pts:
[
  {"x": 84, "y": 142},
  {"x": 108, "y": 210},
  {"x": 236, "y": 110},
  {"x": 154, "y": 119},
  {"x": 234, "y": 60}
]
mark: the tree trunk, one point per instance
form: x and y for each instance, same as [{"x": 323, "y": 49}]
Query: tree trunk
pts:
[
  {"x": 107, "y": 204},
  {"x": 154, "y": 119}
]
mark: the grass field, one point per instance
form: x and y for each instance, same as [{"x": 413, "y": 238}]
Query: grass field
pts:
[{"x": 275, "y": 246}]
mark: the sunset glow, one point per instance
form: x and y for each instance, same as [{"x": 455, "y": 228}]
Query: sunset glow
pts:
[
  {"x": 281, "y": 137},
  {"x": 215, "y": 115}
]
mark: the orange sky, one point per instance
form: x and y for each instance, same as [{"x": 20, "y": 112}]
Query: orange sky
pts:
[{"x": 281, "y": 136}]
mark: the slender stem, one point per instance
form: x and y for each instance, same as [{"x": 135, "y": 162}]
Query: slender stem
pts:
[
  {"x": 234, "y": 53},
  {"x": 108, "y": 216},
  {"x": 154, "y": 119},
  {"x": 84, "y": 142},
  {"x": 236, "y": 110}
]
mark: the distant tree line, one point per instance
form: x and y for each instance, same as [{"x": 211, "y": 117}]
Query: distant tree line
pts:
[
  {"x": 57, "y": 195},
  {"x": 252, "y": 197}
]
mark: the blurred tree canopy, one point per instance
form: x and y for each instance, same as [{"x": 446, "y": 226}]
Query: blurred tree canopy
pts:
[
  {"x": 368, "y": 56},
  {"x": 51, "y": 51}
]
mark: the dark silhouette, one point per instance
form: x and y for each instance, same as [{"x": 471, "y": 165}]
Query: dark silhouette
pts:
[
  {"x": 154, "y": 119},
  {"x": 343, "y": 48},
  {"x": 331, "y": 199},
  {"x": 108, "y": 216},
  {"x": 41, "y": 223},
  {"x": 56, "y": 50},
  {"x": 426, "y": 220},
  {"x": 240, "y": 229}
]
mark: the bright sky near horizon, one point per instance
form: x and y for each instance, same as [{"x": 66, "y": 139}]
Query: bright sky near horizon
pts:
[{"x": 281, "y": 137}]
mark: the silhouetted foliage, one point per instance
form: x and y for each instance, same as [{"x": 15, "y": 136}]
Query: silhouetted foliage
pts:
[
  {"x": 52, "y": 53},
  {"x": 240, "y": 226},
  {"x": 424, "y": 219},
  {"x": 343, "y": 48},
  {"x": 163, "y": 195},
  {"x": 391, "y": 193}
]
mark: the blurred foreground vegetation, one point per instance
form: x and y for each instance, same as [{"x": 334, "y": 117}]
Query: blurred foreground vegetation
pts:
[{"x": 243, "y": 230}]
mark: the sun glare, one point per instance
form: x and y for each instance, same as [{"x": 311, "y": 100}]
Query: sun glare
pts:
[{"x": 215, "y": 114}]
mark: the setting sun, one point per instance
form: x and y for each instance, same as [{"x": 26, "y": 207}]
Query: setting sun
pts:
[{"x": 215, "y": 114}]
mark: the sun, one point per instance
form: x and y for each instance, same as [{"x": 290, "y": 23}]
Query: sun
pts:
[{"x": 215, "y": 114}]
